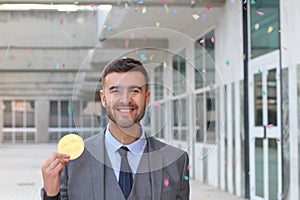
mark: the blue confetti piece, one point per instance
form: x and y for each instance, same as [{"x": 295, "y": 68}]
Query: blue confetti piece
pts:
[
  {"x": 57, "y": 66},
  {"x": 109, "y": 27},
  {"x": 175, "y": 13},
  {"x": 143, "y": 57}
]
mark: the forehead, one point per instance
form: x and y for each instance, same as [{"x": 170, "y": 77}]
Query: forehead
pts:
[{"x": 125, "y": 79}]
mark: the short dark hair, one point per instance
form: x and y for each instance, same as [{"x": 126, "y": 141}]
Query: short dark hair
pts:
[{"x": 125, "y": 65}]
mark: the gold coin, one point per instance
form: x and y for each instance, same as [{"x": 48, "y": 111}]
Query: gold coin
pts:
[{"x": 71, "y": 145}]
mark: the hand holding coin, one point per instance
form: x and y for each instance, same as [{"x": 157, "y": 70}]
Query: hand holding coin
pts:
[{"x": 70, "y": 147}]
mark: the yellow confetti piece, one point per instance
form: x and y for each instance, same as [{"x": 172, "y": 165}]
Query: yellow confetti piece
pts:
[
  {"x": 80, "y": 20},
  {"x": 144, "y": 10},
  {"x": 157, "y": 24},
  {"x": 195, "y": 16},
  {"x": 256, "y": 26},
  {"x": 270, "y": 29}
]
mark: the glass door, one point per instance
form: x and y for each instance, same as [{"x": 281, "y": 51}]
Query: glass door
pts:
[{"x": 265, "y": 125}]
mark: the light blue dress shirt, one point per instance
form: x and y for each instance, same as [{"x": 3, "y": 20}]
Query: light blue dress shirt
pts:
[{"x": 136, "y": 150}]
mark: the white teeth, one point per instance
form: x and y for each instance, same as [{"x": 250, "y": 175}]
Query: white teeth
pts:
[{"x": 124, "y": 111}]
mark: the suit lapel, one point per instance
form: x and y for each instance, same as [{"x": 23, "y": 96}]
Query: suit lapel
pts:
[
  {"x": 97, "y": 165},
  {"x": 156, "y": 166}
]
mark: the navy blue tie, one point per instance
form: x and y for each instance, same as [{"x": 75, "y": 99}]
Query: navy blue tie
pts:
[{"x": 125, "y": 176}]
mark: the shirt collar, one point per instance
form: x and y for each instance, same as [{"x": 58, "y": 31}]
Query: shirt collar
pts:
[{"x": 136, "y": 147}]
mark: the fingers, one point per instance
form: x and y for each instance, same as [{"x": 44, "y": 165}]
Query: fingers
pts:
[{"x": 55, "y": 164}]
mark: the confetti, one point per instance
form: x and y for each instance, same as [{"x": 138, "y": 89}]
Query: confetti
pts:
[
  {"x": 164, "y": 64},
  {"x": 263, "y": 92},
  {"x": 212, "y": 39},
  {"x": 80, "y": 20},
  {"x": 195, "y": 16},
  {"x": 92, "y": 5},
  {"x": 204, "y": 157},
  {"x": 151, "y": 57},
  {"x": 143, "y": 57},
  {"x": 8, "y": 50},
  {"x": 124, "y": 57},
  {"x": 61, "y": 21},
  {"x": 166, "y": 182},
  {"x": 27, "y": 64},
  {"x": 144, "y": 38},
  {"x": 232, "y": 1},
  {"x": 166, "y": 8},
  {"x": 189, "y": 167},
  {"x": 202, "y": 41},
  {"x": 260, "y": 13},
  {"x": 175, "y": 13},
  {"x": 144, "y": 10},
  {"x": 126, "y": 43},
  {"x": 204, "y": 16},
  {"x": 157, "y": 24},
  {"x": 270, "y": 126},
  {"x": 132, "y": 35},
  {"x": 157, "y": 104},
  {"x": 186, "y": 178},
  {"x": 278, "y": 140},
  {"x": 192, "y": 2},
  {"x": 57, "y": 66},
  {"x": 169, "y": 133},
  {"x": 245, "y": 1},
  {"x": 109, "y": 27},
  {"x": 211, "y": 87},
  {"x": 208, "y": 7},
  {"x": 270, "y": 29},
  {"x": 256, "y": 26},
  {"x": 227, "y": 62},
  {"x": 252, "y": 2},
  {"x": 140, "y": 1},
  {"x": 50, "y": 90}
]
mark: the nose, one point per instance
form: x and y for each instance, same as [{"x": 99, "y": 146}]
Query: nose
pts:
[{"x": 125, "y": 97}]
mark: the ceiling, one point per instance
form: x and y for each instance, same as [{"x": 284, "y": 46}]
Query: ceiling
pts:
[{"x": 51, "y": 54}]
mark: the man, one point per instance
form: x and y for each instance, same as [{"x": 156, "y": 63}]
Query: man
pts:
[{"x": 123, "y": 162}]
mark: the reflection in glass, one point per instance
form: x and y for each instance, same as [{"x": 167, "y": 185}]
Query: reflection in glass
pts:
[
  {"x": 259, "y": 168},
  {"x": 273, "y": 169},
  {"x": 272, "y": 97},
  {"x": 264, "y": 27},
  {"x": 210, "y": 117},
  {"x": 258, "y": 100},
  {"x": 199, "y": 118}
]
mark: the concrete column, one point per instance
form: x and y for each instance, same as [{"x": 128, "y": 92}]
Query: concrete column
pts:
[
  {"x": 1, "y": 120},
  {"x": 42, "y": 120}
]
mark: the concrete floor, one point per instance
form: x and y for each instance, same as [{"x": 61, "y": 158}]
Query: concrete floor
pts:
[{"x": 21, "y": 175}]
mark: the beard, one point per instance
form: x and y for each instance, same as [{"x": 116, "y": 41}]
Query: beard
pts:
[{"x": 122, "y": 121}]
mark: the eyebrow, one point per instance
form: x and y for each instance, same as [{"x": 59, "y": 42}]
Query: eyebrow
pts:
[{"x": 131, "y": 87}]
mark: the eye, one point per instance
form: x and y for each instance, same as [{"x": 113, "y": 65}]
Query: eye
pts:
[{"x": 135, "y": 90}]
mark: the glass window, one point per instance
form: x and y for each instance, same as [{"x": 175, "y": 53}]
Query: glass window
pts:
[
  {"x": 210, "y": 117},
  {"x": 158, "y": 81},
  {"x": 264, "y": 27},
  {"x": 179, "y": 119},
  {"x": 8, "y": 114},
  {"x": 199, "y": 117},
  {"x": 205, "y": 60},
  {"x": 179, "y": 73}
]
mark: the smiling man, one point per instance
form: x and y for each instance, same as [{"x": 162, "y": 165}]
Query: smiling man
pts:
[{"x": 123, "y": 162}]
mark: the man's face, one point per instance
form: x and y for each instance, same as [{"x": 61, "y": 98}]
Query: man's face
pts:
[{"x": 125, "y": 97}]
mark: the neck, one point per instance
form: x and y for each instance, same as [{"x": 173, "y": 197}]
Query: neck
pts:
[{"x": 125, "y": 135}]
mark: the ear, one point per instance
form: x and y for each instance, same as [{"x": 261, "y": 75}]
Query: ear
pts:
[
  {"x": 148, "y": 95},
  {"x": 103, "y": 99}
]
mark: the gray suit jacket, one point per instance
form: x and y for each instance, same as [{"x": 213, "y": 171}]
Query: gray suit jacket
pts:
[{"x": 162, "y": 174}]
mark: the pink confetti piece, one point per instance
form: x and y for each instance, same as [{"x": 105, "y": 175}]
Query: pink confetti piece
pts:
[
  {"x": 126, "y": 43},
  {"x": 260, "y": 13},
  {"x": 61, "y": 21},
  {"x": 144, "y": 38},
  {"x": 92, "y": 5},
  {"x": 202, "y": 41},
  {"x": 208, "y": 7},
  {"x": 169, "y": 133},
  {"x": 192, "y": 2},
  {"x": 284, "y": 48},
  {"x": 50, "y": 90},
  {"x": 132, "y": 35},
  {"x": 270, "y": 126},
  {"x": 278, "y": 140},
  {"x": 157, "y": 104},
  {"x": 166, "y": 182},
  {"x": 212, "y": 39},
  {"x": 189, "y": 167}
]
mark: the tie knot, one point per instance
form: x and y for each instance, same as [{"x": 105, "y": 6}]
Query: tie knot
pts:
[{"x": 123, "y": 151}]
